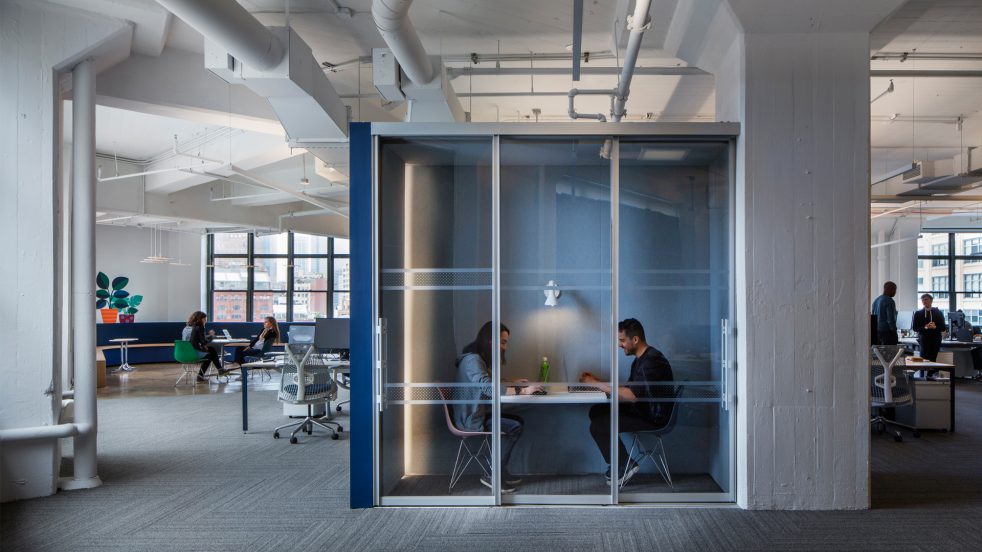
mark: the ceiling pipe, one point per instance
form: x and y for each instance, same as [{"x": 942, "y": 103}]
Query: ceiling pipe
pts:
[
  {"x": 638, "y": 24},
  {"x": 232, "y": 27},
  {"x": 392, "y": 20}
]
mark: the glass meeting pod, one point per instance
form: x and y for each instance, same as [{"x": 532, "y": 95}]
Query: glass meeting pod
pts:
[{"x": 554, "y": 232}]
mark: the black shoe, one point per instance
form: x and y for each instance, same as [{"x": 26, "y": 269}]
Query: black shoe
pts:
[
  {"x": 624, "y": 476},
  {"x": 202, "y": 379},
  {"x": 510, "y": 479}
]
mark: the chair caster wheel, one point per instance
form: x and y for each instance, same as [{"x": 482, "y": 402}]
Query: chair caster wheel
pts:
[
  {"x": 276, "y": 435},
  {"x": 898, "y": 438},
  {"x": 293, "y": 440},
  {"x": 338, "y": 408},
  {"x": 335, "y": 436},
  {"x": 340, "y": 429}
]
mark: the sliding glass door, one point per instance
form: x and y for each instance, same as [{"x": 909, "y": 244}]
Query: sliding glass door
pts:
[{"x": 674, "y": 277}]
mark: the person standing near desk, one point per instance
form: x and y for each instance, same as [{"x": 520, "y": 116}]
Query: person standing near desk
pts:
[
  {"x": 929, "y": 323},
  {"x": 885, "y": 310},
  {"x": 638, "y": 412}
]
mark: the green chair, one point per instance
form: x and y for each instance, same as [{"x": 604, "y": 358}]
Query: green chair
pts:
[{"x": 189, "y": 358}]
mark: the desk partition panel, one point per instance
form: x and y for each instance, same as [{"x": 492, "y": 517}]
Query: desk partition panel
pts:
[{"x": 498, "y": 246}]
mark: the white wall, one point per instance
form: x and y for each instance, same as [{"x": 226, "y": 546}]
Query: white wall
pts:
[
  {"x": 170, "y": 293},
  {"x": 35, "y": 39},
  {"x": 896, "y": 262}
]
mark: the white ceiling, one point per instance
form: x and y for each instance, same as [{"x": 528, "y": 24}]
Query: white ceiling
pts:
[{"x": 924, "y": 110}]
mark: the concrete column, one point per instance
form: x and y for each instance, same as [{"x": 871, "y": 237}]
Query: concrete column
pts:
[
  {"x": 83, "y": 274},
  {"x": 795, "y": 74}
]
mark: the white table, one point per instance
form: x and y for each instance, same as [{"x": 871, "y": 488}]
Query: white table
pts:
[
  {"x": 222, "y": 342},
  {"x": 556, "y": 397},
  {"x": 124, "y": 353}
]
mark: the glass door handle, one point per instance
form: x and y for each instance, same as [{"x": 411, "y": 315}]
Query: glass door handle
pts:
[
  {"x": 380, "y": 363},
  {"x": 724, "y": 363}
]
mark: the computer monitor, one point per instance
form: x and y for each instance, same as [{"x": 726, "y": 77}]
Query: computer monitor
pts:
[
  {"x": 905, "y": 320},
  {"x": 301, "y": 334},
  {"x": 332, "y": 334}
]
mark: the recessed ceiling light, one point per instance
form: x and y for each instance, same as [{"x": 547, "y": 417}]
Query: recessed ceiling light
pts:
[{"x": 663, "y": 154}]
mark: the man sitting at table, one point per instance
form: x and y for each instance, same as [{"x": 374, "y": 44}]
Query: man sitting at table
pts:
[{"x": 637, "y": 410}]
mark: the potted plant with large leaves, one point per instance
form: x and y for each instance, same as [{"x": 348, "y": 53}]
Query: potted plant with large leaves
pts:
[{"x": 112, "y": 299}]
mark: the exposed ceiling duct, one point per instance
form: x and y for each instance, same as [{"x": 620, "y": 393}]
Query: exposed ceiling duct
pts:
[
  {"x": 273, "y": 62},
  {"x": 426, "y": 86}
]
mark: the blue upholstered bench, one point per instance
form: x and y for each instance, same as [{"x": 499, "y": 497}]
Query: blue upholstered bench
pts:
[{"x": 156, "y": 339}]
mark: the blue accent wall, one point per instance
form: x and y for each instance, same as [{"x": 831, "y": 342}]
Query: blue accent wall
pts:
[{"x": 362, "y": 326}]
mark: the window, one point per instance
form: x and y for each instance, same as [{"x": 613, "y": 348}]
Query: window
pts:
[
  {"x": 293, "y": 277},
  {"x": 939, "y": 287},
  {"x": 973, "y": 285},
  {"x": 972, "y": 247},
  {"x": 939, "y": 249}
]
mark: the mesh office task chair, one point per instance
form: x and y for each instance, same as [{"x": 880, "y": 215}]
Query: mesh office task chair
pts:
[
  {"x": 890, "y": 387},
  {"x": 308, "y": 382},
  {"x": 189, "y": 359},
  {"x": 465, "y": 454},
  {"x": 649, "y": 445},
  {"x": 344, "y": 382}
]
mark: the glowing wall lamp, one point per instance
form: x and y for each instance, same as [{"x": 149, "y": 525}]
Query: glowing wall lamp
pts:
[{"x": 552, "y": 294}]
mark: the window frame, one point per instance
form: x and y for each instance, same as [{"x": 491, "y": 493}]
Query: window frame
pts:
[{"x": 291, "y": 257}]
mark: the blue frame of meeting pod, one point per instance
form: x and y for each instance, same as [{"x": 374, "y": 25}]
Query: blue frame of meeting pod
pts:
[{"x": 705, "y": 375}]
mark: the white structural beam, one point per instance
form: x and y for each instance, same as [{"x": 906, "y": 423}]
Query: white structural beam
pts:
[
  {"x": 151, "y": 23},
  {"x": 247, "y": 150},
  {"x": 176, "y": 84}
]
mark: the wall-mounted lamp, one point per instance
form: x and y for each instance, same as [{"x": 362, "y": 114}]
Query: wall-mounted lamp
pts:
[{"x": 552, "y": 294}]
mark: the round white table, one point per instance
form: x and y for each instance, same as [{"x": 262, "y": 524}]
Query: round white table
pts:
[{"x": 124, "y": 353}]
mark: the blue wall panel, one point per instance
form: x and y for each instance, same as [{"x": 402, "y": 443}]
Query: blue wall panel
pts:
[{"x": 362, "y": 325}]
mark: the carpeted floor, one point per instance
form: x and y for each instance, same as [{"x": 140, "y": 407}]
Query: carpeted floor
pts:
[{"x": 180, "y": 475}]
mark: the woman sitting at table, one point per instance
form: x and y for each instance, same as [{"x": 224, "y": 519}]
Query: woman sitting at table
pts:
[
  {"x": 270, "y": 334},
  {"x": 195, "y": 333}
]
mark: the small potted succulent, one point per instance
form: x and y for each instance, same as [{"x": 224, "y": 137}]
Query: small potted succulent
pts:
[{"x": 112, "y": 300}]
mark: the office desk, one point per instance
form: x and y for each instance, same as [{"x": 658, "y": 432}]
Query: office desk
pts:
[
  {"x": 244, "y": 375},
  {"x": 556, "y": 397},
  {"x": 335, "y": 366},
  {"x": 928, "y": 365}
]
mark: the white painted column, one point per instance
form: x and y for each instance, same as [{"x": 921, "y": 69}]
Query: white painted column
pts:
[
  {"x": 83, "y": 274},
  {"x": 795, "y": 74}
]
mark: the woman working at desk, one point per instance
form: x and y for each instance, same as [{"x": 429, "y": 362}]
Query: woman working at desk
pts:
[
  {"x": 195, "y": 333},
  {"x": 270, "y": 334},
  {"x": 473, "y": 368}
]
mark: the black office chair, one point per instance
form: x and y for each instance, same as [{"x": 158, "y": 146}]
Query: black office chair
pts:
[{"x": 656, "y": 451}]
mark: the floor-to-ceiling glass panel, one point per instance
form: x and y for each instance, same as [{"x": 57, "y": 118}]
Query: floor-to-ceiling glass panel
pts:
[
  {"x": 434, "y": 255},
  {"x": 674, "y": 279},
  {"x": 555, "y": 261}
]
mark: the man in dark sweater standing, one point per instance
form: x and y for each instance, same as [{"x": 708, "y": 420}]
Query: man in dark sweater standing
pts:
[
  {"x": 638, "y": 412},
  {"x": 929, "y": 323},
  {"x": 886, "y": 315}
]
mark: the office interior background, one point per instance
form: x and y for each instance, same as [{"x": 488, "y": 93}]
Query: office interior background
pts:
[{"x": 207, "y": 153}]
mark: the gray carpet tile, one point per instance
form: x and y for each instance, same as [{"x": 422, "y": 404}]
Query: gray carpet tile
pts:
[{"x": 180, "y": 475}]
